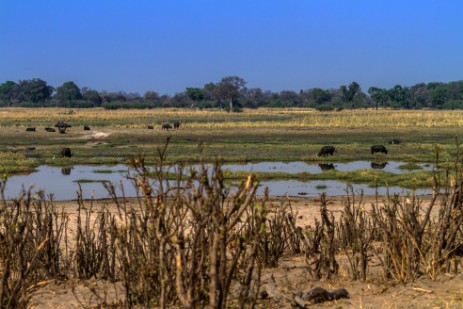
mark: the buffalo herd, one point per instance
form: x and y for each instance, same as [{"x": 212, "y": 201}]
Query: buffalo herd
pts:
[{"x": 330, "y": 150}]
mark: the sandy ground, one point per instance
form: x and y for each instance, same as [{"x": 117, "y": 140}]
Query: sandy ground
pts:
[{"x": 280, "y": 282}]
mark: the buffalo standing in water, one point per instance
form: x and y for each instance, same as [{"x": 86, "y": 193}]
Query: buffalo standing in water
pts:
[
  {"x": 66, "y": 152},
  {"x": 326, "y": 150},
  {"x": 378, "y": 148}
]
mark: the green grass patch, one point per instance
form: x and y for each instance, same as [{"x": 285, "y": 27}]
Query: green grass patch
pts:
[{"x": 410, "y": 166}]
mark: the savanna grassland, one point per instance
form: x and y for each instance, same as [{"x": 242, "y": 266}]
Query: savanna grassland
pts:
[
  {"x": 197, "y": 244},
  {"x": 252, "y": 135}
]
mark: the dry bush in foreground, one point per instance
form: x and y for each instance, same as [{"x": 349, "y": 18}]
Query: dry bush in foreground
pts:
[{"x": 194, "y": 241}]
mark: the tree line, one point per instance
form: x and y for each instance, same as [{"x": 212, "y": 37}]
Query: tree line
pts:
[{"x": 231, "y": 93}]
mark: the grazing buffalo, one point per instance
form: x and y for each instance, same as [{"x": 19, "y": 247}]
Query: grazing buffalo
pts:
[
  {"x": 395, "y": 141},
  {"x": 378, "y": 148},
  {"x": 62, "y": 124},
  {"x": 326, "y": 150},
  {"x": 30, "y": 148},
  {"x": 31, "y": 129},
  {"x": 378, "y": 166},
  {"x": 176, "y": 124},
  {"x": 150, "y": 127},
  {"x": 166, "y": 126},
  {"x": 326, "y": 166},
  {"x": 87, "y": 128},
  {"x": 66, "y": 152},
  {"x": 48, "y": 129}
]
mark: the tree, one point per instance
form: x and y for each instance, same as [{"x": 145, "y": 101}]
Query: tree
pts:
[
  {"x": 253, "y": 96},
  {"x": 35, "y": 90},
  {"x": 195, "y": 94},
  {"x": 378, "y": 95},
  {"x": 318, "y": 96},
  {"x": 8, "y": 91},
  {"x": 69, "y": 91},
  {"x": 151, "y": 96},
  {"x": 91, "y": 96},
  {"x": 350, "y": 92},
  {"x": 229, "y": 89},
  {"x": 400, "y": 96}
]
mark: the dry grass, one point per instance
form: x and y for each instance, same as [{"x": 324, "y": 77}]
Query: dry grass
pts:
[{"x": 250, "y": 118}]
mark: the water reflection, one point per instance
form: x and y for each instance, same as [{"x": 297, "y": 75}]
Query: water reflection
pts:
[
  {"x": 379, "y": 166},
  {"x": 63, "y": 182},
  {"x": 326, "y": 166},
  {"x": 66, "y": 171}
]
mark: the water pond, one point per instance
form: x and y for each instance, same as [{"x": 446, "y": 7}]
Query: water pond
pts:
[{"x": 63, "y": 182}]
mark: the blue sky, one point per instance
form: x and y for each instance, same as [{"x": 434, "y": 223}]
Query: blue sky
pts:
[{"x": 166, "y": 46}]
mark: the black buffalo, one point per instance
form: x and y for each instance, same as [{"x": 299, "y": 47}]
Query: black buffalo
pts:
[
  {"x": 326, "y": 150},
  {"x": 86, "y": 128},
  {"x": 62, "y": 130},
  {"x": 395, "y": 141},
  {"x": 66, "y": 152},
  {"x": 166, "y": 126},
  {"x": 326, "y": 166},
  {"x": 31, "y": 129},
  {"x": 62, "y": 124},
  {"x": 378, "y": 148},
  {"x": 378, "y": 166},
  {"x": 48, "y": 129},
  {"x": 150, "y": 127},
  {"x": 176, "y": 124}
]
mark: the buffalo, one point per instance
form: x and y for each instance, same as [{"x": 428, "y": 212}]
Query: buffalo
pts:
[
  {"x": 176, "y": 124},
  {"x": 395, "y": 141},
  {"x": 66, "y": 152},
  {"x": 166, "y": 126},
  {"x": 150, "y": 127},
  {"x": 62, "y": 126},
  {"x": 378, "y": 148},
  {"x": 378, "y": 166},
  {"x": 48, "y": 129},
  {"x": 326, "y": 150},
  {"x": 326, "y": 166},
  {"x": 86, "y": 128},
  {"x": 31, "y": 129}
]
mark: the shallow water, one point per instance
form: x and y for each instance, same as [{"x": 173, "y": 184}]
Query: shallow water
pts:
[{"x": 62, "y": 183}]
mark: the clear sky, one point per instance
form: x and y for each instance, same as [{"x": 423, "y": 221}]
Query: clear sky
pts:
[{"x": 166, "y": 46}]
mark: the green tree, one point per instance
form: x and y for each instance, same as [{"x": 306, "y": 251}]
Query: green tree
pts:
[
  {"x": 8, "y": 91},
  {"x": 35, "y": 90},
  {"x": 195, "y": 95},
  {"x": 400, "y": 96},
  {"x": 378, "y": 95},
  {"x": 229, "y": 89},
  {"x": 69, "y": 91}
]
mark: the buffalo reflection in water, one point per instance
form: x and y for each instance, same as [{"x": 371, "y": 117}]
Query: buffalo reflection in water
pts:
[
  {"x": 326, "y": 166},
  {"x": 66, "y": 170},
  {"x": 378, "y": 166}
]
